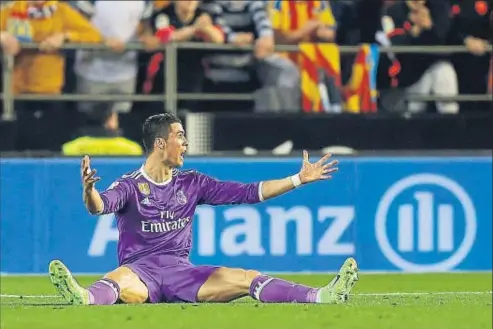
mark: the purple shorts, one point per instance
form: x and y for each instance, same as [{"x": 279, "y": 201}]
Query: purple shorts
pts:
[{"x": 171, "y": 279}]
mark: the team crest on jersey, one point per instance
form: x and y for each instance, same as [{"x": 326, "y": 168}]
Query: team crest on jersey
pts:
[
  {"x": 181, "y": 197},
  {"x": 144, "y": 188}
]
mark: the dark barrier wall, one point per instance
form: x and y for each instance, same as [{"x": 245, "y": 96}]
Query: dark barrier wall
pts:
[
  {"x": 391, "y": 213},
  {"x": 362, "y": 132},
  {"x": 236, "y": 131}
]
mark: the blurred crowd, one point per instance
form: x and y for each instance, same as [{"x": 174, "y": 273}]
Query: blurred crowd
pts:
[{"x": 316, "y": 78}]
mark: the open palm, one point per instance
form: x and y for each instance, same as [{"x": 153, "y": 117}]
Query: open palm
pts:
[
  {"x": 87, "y": 175},
  {"x": 320, "y": 170}
]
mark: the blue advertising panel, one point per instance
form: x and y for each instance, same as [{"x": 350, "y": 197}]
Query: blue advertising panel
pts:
[{"x": 409, "y": 214}]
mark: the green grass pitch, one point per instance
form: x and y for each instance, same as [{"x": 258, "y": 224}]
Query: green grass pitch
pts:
[{"x": 393, "y": 301}]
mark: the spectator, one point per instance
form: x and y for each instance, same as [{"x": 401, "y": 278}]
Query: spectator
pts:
[
  {"x": 306, "y": 23},
  {"x": 303, "y": 21},
  {"x": 181, "y": 21},
  {"x": 344, "y": 13},
  {"x": 424, "y": 22},
  {"x": 357, "y": 20},
  {"x": 51, "y": 24},
  {"x": 106, "y": 72},
  {"x": 244, "y": 23},
  {"x": 471, "y": 28},
  {"x": 351, "y": 30},
  {"x": 247, "y": 23},
  {"x": 101, "y": 136}
]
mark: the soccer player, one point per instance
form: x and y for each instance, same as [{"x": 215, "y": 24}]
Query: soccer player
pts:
[{"x": 154, "y": 207}]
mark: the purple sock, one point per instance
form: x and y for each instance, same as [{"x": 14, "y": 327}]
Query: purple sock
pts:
[
  {"x": 104, "y": 292},
  {"x": 272, "y": 290}
]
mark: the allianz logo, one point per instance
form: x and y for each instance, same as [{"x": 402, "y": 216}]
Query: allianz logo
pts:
[{"x": 239, "y": 231}]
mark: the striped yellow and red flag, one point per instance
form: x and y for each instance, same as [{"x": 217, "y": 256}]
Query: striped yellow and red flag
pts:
[
  {"x": 315, "y": 57},
  {"x": 290, "y": 15},
  {"x": 361, "y": 93}
]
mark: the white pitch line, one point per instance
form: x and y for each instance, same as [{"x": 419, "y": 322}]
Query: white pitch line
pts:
[
  {"x": 397, "y": 294},
  {"x": 424, "y": 293},
  {"x": 29, "y": 296}
]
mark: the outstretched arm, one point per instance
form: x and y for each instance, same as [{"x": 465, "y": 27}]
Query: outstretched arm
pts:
[
  {"x": 109, "y": 201},
  {"x": 91, "y": 197},
  {"x": 310, "y": 172},
  {"x": 214, "y": 192}
]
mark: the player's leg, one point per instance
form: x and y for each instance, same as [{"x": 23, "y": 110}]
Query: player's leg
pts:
[
  {"x": 121, "y": 284},
  {"x": 227, "y": 284}
]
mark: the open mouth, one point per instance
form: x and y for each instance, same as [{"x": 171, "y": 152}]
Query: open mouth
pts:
[{"x": 182, "y": 155}]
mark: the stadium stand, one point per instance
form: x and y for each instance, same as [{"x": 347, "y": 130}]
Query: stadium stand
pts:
[{"x": 341, "y": 72}]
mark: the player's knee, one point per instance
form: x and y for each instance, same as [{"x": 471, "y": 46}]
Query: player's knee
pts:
[
  {"x": 237, "y": 277},
  {"x": 250, "y": 275},
  {"x": 134, "y": 295},
  {"x": 132, "y": 289},
  {"x": 245, "y": 278}
]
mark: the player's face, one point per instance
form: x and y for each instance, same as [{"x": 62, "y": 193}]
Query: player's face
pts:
[{"x": 176, "y": 146}]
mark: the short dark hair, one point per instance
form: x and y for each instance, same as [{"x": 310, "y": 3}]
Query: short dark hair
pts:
[
  {"x": 156, "y": 126},
  {"x": 99, "y": 113}
]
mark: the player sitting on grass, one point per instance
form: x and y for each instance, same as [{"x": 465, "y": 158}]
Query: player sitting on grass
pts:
[{"x": 154, "y": 207}]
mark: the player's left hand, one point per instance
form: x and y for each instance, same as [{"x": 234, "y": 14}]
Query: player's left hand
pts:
[
  {"x": 320, "y": 170},
  {"x": 88, "y": 175}
]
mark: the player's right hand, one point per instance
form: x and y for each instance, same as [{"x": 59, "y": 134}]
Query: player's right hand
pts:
[{"x": 87, "y": 175}]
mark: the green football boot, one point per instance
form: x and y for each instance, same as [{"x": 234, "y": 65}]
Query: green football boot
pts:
[
  {"x": 337, "y": 291},
  {"x": 66, "y": 284}
]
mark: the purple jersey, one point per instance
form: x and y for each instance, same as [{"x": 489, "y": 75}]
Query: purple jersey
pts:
[{"x": 156, "y": 218}]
